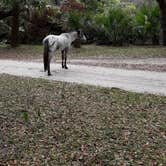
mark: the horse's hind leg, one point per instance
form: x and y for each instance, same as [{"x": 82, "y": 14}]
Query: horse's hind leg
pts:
[
  {"x": 49, "y": 61},
  {"x": 49, "y": 73}
]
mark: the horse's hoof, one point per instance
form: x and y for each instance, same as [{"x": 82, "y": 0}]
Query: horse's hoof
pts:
[
  {"x": 66, "y": 67},
  {"x": 49, "y": 74}
]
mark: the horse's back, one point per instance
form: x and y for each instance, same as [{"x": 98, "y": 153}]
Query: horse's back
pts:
[
  {"x": 53, "y": 41},
  {"x": 61, "y": 41},
  {"x": 50, "y": 38}
]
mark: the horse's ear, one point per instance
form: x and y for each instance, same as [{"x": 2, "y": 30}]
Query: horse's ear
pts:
[{"x": 79, "y": 31}]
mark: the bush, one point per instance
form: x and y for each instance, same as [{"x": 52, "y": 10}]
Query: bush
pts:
[
  {"x": 106, "y": 22},
  {"x": 74, "y": 21},
  {"x": 114, "y": 26},
  {"x": 43, "y": 22},
  {"x": 147, "y": 24},
  {"x": 4, "y": 30}
]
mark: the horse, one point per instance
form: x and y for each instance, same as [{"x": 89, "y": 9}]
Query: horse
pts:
[{"x": 63, "y": 42}]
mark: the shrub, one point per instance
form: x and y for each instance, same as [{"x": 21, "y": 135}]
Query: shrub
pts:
[
  {"x": 147, "y": 24},
  {"x": 42, "y": 22},
  {"x": 4, "y": 30},
  {"x": 74, "y": 20},
  {"x": 114, "y": 26}
]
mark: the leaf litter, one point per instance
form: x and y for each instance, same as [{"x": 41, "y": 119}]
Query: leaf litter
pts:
[{"x": 57, "y": 123}]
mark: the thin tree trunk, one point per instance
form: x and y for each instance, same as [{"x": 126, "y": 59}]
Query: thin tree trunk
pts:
[
  {"x": 163, "y": 24},
  {"x": 15, "y": 25},
  {"x": 162, "y": 5},
  {"x": 57, "y": 2}
]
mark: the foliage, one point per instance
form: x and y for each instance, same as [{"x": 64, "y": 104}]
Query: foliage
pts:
[
  {"x": 25, "y": 2},
  {"x": 18, "y": 7},
  {"x": 41, "y": 22},
  {"x": 74, "y": 20},
  {"x": 4, "y": 30},
  {"x": 93, "y": 6},
  {"x": 71, "y": 5},
  {"x": 105, "y": 21},
  {"x": 147, "y": 23},
  {"x": 114, "y": 26}
]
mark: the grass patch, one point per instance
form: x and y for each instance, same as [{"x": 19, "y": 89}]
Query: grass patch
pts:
[
  {"x": 36, "y": 51},
  {"x": 21, "y": 52},
  {"x": 56, "y": 123},
  {"x": 108, "y": 51}
]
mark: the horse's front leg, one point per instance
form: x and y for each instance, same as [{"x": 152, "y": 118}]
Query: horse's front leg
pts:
[
  {"x": 63, "y": 58},
  {"x": 65, "y": 65}
]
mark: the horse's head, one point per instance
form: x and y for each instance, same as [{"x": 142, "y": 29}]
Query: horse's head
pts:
[{"x": 81, "y": 36}]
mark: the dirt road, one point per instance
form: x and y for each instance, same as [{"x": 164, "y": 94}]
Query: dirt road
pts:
[{"x": 131, "y": 80}]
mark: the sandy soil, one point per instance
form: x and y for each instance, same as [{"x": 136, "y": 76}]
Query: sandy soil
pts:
[
  {"x": 150, "y": 64},
  {"x": 131, "y": 80}
]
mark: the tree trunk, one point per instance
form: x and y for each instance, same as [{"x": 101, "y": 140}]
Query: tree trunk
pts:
[
  {"x": 155, "y": 40},
  {"x": 163, "y": 24},
  {"x": 15, "y": 25},
  {"x": 162, "y": 5},
  {"x": 57, "y": 2}
]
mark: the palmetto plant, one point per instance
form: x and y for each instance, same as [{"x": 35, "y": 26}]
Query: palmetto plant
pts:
[
  {"x": 115, "y": 25},
  {"x": 147, "y": 23}
]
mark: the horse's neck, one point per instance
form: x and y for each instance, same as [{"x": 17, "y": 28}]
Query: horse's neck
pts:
[{"x": 73, "y": 36}]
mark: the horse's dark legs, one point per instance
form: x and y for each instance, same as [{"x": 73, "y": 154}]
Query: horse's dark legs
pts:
[
  {"x": 49, "y": 61},
  {"x": 66, "y": 51},
  {"x": 63, "y": 58},
  {"x": 49, "y": 73}
]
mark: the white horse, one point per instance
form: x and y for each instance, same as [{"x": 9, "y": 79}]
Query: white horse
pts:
[{"x": 63, "y": 42}]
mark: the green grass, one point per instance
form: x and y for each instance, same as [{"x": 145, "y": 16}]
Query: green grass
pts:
[
  {"x": 56, "y": 123},
  {"x": 21, "y": 52},
  {"x": 35, "y": 51},
  {"x": 131, "y": 52}
]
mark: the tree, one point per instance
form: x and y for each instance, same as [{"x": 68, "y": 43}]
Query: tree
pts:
[
  {"x": 71, "y": 5},
  {"x": 15, "y": 24},
  {"x": 16, "y": 7},
  {"x": 57, "y": 2},
  {"x": 5, "y": 13},
  {"x": 162, "y": 5}
]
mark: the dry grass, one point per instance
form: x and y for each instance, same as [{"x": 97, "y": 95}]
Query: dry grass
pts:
[
  {"x": 128, "y": 52},
  {"x": 56, "y": 123},
  {"x": 29, "y": 52}
]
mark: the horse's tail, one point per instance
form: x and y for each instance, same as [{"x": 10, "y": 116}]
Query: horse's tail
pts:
[{"x": 46, "y": 55}]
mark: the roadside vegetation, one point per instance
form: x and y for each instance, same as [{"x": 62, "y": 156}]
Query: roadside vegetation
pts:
[
  {"x": 58, "y": 123},
  {"x": 111, "y": 22},
  {"x": 29, "y": 52}
]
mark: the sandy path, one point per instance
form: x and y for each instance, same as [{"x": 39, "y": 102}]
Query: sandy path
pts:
[
  {"x": 131, "y": 80},
  {"x": 149, "y": 64},
  {"x": 150, "y": 61}
]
